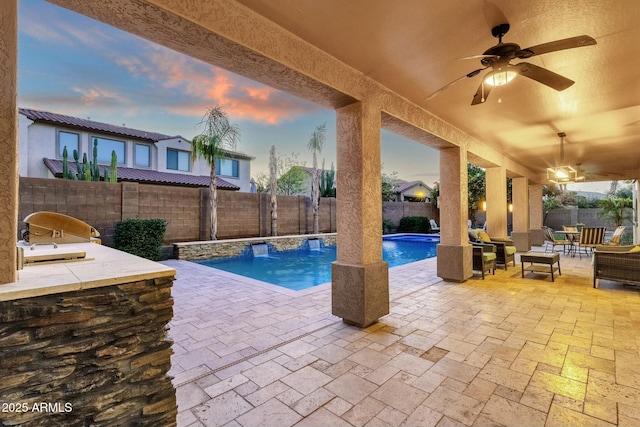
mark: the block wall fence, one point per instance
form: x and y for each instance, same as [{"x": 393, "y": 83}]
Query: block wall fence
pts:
[{"x": 186, "y": 209}]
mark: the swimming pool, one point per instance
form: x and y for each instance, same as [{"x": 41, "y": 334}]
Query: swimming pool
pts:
[{"x": 306, "y": 267}]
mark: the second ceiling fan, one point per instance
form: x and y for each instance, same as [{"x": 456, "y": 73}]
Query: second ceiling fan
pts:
[{"x": 499, "y": 57}]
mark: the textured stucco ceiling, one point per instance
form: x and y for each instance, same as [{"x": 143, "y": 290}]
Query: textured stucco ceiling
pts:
[{"x": 413, "y": 47}]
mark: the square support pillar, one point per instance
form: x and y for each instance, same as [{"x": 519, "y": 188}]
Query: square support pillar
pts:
[
  {"x": 497, "y": 202},
  {"x": 360, "y": 293},
  {"x": 454, "y": 253},
  {"x": 9, "y": 140},
  {"x": 536, "y": 215},
  {"x": 521, "y": 235},
  {"x": 359, "y": 277}
]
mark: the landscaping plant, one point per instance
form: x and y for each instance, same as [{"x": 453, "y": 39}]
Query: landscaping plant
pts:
[{"x": 218, "y": 135}]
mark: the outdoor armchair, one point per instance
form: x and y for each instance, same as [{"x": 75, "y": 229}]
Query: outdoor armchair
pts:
[
  {"x": 618, "y": 263},
  {"x": 484, "y": 258},
  {"x": 505, "y": 249}
]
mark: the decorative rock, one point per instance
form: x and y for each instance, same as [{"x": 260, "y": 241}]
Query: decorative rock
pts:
[{"x": 17, "y": 338}]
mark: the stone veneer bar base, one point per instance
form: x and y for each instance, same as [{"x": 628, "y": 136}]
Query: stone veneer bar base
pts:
[
  {"x": 454, "y": 263},
  {"x": 85, "y": 343},
  {"x": 360, "y": 293},
  {"x": 96, "y": 357}
]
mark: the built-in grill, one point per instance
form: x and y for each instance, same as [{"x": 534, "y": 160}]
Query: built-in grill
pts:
[{"x": 48, "y": 237}]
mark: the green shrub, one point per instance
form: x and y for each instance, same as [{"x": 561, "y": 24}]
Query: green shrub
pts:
[
  {"x": 387, "y": 226},
  {"x": 141, "y": 237},
  {"x": 414, "y": 224}
]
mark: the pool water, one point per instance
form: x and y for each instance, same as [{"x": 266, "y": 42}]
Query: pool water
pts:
[{"x": 304, "y": 268}]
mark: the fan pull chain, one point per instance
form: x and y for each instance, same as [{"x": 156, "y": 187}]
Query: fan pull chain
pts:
[{"x": 482, "y": 90}]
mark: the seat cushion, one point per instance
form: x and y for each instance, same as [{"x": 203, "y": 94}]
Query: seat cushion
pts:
[
  {"x": 489, "y": 256},
  {"x": 509, "y": 250}
]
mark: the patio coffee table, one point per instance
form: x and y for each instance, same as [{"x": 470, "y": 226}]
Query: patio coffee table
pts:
[{"x": 548, "y": 260}]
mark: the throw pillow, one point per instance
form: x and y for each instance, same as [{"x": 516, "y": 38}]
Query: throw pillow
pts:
[{"x": 484, "y": 236}]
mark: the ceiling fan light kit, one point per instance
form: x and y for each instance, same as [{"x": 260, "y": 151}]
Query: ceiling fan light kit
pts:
[
  {"x": 499, "y": 58},
  {"x": 500, "y": 77}
]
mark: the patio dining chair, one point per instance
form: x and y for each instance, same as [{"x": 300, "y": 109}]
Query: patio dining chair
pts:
[
  {"x": 590, "y": 237},
  {"x": 552, "y": 241},
  {"x": 617, "y": 236}
]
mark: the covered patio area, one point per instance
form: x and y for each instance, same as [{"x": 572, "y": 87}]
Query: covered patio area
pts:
[{"x": 500, "y": 351}]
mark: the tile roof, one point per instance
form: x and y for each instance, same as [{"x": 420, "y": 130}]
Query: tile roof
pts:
[
  {"x": 44, "y": 116},
  {"x": 75, "y": 122},
  {"x": 148, "y": 176}
]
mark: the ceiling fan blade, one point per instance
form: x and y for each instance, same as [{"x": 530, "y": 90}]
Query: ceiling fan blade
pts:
[
  {"x": 481, "y": 94},
  {"x": 544, "y": 76},
  {"x": 479, "y": 57},
  {"x": 468, "y": 75},
  {"x": 563, "y": 44}
]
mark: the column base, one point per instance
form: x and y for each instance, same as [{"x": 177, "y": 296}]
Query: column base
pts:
[
  {"x": 537, "y": 236},
  {"x": 521, "y": 240},
  {"x": 360, "y": 293},
  {"x": 454, "y": 263}
]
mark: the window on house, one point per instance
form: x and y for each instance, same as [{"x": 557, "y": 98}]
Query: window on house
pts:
[
  {"x": 228, "y": 167},
  {"x": 142, "y": 155},
  {"x": 69, "y": 140},
  {"x": 105, "y": 147},
  {"x": 178, "y": 160}
]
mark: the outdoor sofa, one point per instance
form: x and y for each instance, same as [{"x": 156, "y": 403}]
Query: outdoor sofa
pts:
[{"x": 618, "y": 263}]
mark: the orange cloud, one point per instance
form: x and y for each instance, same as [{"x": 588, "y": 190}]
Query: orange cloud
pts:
[
  {"x": 94, "y": 95},
  {"x": 206, "y": 85}
]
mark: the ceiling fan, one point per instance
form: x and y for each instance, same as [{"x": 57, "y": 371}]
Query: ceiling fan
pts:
[{"x": 499, "y": 57}]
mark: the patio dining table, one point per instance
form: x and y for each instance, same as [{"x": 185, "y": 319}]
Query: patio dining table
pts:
[{"x": 573, "y": 237}]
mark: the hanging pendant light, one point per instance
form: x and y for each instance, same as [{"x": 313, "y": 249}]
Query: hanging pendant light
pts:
[{"x": 563, "y": 174}]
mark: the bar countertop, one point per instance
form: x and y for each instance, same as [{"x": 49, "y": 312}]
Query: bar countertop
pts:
[{"x": 103, "y": 266}]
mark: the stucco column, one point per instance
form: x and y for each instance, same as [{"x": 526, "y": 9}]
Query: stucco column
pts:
[
  {"x": 497, "y": 202},
  {"x": 454, "y": 262},
  {"x": 520, "y": 199},
  {"x": 636, "y": 204},
  {"x": 359, "y": 278},
  {"x": 536, "y": 214},
  {"x": 8, "y": 139}
]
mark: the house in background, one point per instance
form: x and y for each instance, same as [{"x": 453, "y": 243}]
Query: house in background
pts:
[
  {"x": 413, "y": 191},
  {"x": 145, "y": 157},
  {"x": 309, "y": 175}
]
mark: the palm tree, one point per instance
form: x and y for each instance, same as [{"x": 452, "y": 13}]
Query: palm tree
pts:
[
  {"x": 273, "y": 189},
  {"x": 218, "y": 135},
  {"x": 315, "y": 144},
  {"x": 614, "y": 209}
]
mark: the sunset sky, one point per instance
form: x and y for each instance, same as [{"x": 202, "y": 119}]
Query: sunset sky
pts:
[{"x": 70, "y": 64}]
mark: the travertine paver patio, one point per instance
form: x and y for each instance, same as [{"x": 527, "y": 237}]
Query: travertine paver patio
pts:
[{"x": 503, "y": 351}]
